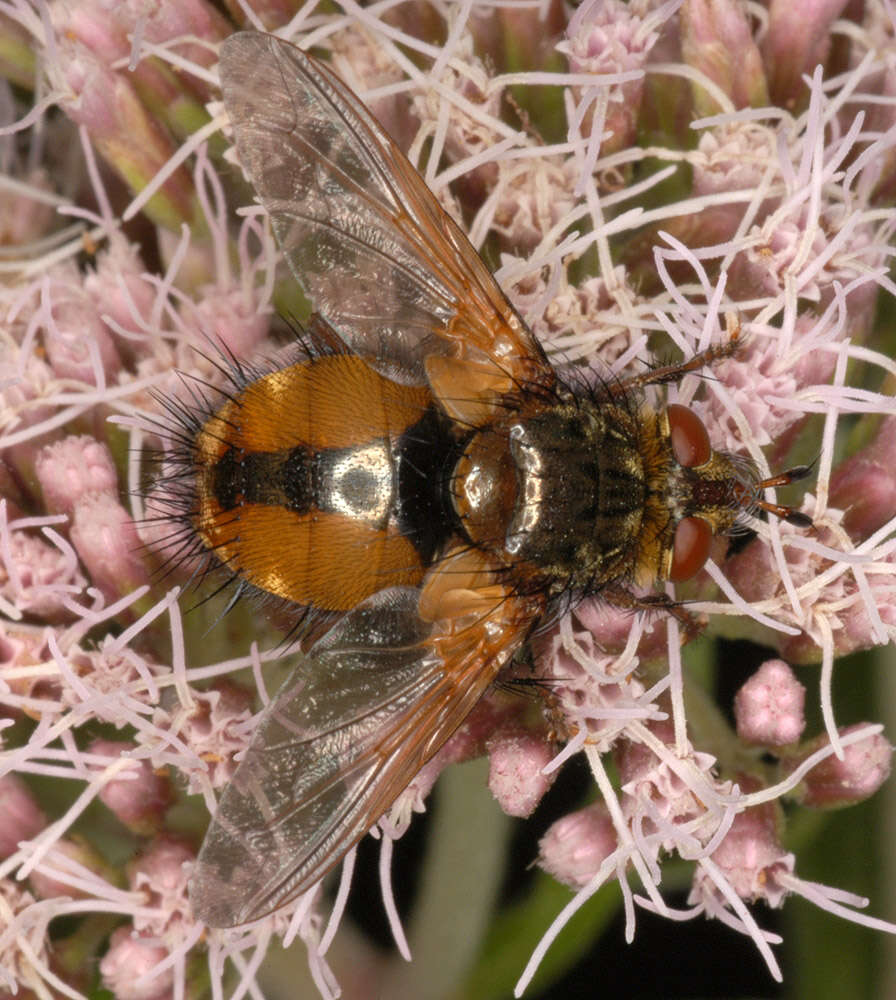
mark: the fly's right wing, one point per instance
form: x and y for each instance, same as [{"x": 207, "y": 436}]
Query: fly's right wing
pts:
[{"x": 372, "y": 702}]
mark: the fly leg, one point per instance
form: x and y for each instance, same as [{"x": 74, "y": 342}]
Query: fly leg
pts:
[
  {"x": 666, "y": 374},
  {"x": 619, "y": 597}
]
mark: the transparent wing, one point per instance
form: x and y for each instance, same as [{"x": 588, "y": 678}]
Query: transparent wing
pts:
[
  {"x": 364, "y": 236},
  {"x": 368, "y": 706}
]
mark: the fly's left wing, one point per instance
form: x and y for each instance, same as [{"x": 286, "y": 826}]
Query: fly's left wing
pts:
[
  {"x": 365, "y": 238},
  {"x": 373, "y": 701}
]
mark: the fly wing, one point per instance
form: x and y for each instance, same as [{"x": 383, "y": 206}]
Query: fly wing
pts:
[
  {"x": 364, "y": 236},
  {"x": 368, "y": 706}
]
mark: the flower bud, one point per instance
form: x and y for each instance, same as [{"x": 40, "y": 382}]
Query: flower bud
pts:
[
  {"x": 215, "y": 727},
  {"x": 129, "y": 957},
  {"x": 49, "y": 886},
  {"x": 859, "y": 631},
  {"x": 797, "y": 39},
  {"x": 128, "y": 137},
  {"x": 716, "y": 39},
  {"x": 79, "y": 345},
  {"x": 140, "y": 796},
  {"x": 768, "y": 709},
  {"x": 864, "y": 768},
  {"x": 69, "y": 469},
  {"x": 225, "y": 317},
  {"x": 516, "y": 775},
  {"x": 20, "y": 816},
  {"x": 575, "y": 846},
  {"x": 120, "y": 289},
  {"x": 23, "y": 219},
  {"x": 864, "y": 485},
  {"x": 104, "y": 534}
]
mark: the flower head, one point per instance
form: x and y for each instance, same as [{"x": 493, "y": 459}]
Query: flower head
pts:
[{"x": 644, "y": 178}]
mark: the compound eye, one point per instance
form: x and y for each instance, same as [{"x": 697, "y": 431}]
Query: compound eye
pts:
[
  {"x": 690, "y": 548},
  {"x": 688, "y": 435}
]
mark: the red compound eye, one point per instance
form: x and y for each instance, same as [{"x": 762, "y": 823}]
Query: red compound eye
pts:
[
  {"x": 689, "y": 437},
  {"x": 690, "y": 549}
]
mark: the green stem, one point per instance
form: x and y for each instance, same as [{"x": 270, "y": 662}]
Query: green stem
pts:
[{"x": 459, "y": 885}]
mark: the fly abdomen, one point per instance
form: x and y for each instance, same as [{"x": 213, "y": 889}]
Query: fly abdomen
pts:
[{"x": 332, "y": 464}]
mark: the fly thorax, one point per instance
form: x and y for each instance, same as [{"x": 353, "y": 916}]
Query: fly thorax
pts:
[{"x": 580, "y": 494}]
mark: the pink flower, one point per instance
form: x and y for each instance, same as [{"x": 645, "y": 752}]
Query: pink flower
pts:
[
  {"x": 36, "y": 575},
  {"x": 216, "y": 728},
  {"x": 126, "y": 968},
  {"x": 607, "y": 39},
  {"x": 750, "y": 857},
  {"x": 161, "y": 873}
]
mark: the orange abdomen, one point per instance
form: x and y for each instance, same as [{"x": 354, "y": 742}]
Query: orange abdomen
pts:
[{"x": 322, "y": 483}]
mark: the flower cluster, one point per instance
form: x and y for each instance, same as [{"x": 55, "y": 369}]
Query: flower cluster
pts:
[{"x": 643, "y": 175}]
